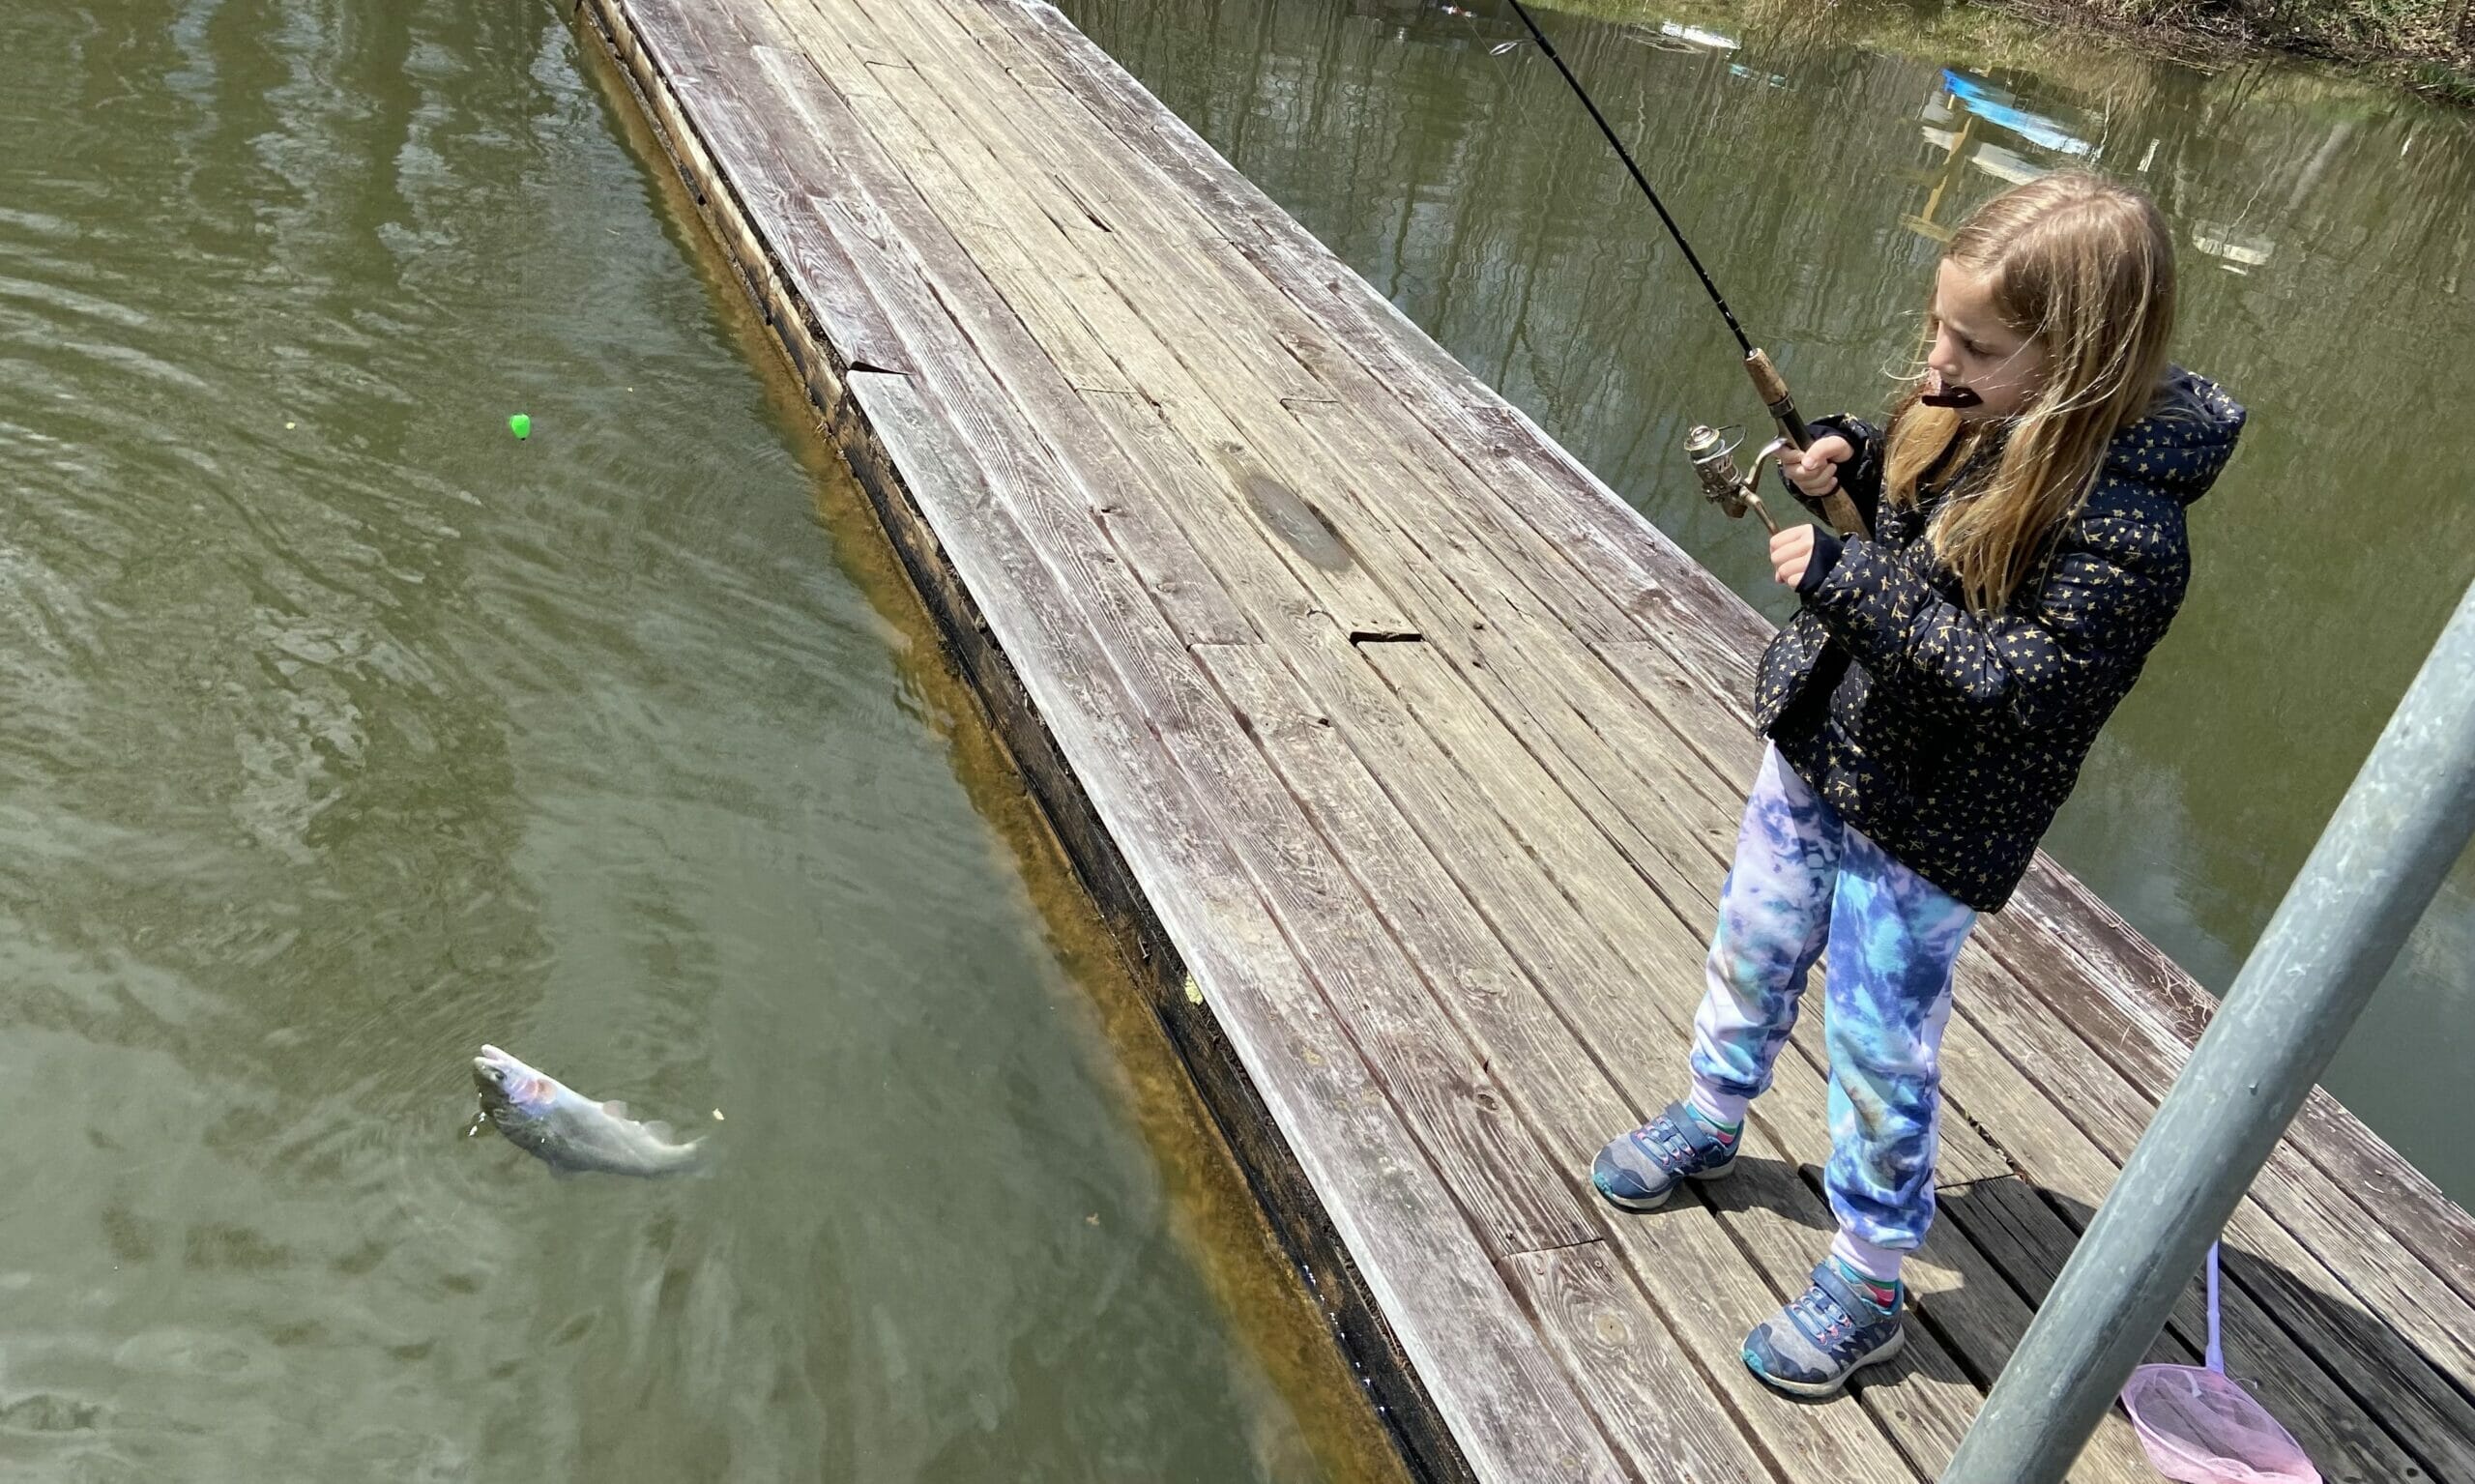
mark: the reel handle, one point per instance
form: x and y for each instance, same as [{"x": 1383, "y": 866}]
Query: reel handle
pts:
[{"x": 1772, "y": 387}]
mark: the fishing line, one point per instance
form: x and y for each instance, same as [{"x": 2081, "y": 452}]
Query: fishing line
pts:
[
  {"x": 1639, "y": 179},
  {"x": 1711, "y": 455}
]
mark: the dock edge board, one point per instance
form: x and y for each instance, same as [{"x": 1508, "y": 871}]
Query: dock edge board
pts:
[{"x": 1272, "y": 1169}]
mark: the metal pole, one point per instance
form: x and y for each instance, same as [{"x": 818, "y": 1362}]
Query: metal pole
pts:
[{"x": 2400, "y": 827}]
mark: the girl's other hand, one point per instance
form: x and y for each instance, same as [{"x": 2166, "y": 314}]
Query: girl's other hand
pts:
[
  {"x": 1815, "y": 469},
  {"x": 1790, "y": 552}
]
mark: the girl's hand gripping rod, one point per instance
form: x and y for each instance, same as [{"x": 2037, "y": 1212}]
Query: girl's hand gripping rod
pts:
[
  {"x": 1717, "y": 469},
  {"x": 1772, "y": 387}
]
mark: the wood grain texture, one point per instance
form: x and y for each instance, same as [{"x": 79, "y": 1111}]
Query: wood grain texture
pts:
[
  {"x": 1632, "y": 1370},
  {"x": 1509, "y": 1410}
]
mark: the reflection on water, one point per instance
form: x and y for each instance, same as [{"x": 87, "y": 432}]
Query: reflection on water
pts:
[
  {"x": 1819, "y": 157},
  {"x": 344, "y": 733}
]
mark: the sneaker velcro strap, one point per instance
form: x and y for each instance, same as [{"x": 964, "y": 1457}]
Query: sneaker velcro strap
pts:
[
  {"x": 1851, "y": 1304},
  {"x": 1696, "y": 1134}
]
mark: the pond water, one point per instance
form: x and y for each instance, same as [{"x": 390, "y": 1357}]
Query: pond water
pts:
[
  {"x": 1818, "y": 157},
  {"x": 345, "y": 732}
]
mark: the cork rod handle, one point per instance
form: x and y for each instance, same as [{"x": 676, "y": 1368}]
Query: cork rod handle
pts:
[{"x": 1772, "y": 387}]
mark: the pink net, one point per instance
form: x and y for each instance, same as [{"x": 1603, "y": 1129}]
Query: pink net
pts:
[{"x": 2200, "y": 1428}]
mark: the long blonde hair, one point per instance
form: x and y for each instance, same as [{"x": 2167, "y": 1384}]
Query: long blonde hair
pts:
[{"x": 2086, "y": 268}]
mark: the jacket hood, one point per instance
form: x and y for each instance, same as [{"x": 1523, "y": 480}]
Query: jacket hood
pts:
[{"x": 2183, "y": 441}]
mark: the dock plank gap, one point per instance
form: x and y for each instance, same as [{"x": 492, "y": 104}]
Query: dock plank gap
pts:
[{"x": 1405, "y": 759}]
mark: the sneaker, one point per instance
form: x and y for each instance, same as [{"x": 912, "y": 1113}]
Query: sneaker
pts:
[
  {"x": 1640, "y": 1170},
  {"x": 1812, "y": 1347}
]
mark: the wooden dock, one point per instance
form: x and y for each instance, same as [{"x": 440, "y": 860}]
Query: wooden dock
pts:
[{"x": 1407, "y": 758}]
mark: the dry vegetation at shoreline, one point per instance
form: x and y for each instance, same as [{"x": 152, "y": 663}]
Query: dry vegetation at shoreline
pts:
[
  {"x": 2426, "y": 44},
  {"x": 2429, "y": 44}
]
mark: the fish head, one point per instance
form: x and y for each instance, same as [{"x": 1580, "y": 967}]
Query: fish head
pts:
[{"x": 510, "y": 1088}]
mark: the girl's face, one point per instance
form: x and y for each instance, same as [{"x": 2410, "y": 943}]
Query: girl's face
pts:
[{"x": 1973, "y": 348}]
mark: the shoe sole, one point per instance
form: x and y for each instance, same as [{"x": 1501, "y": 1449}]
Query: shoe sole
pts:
[
  {"x": 1821, "y": 1388},
  {"x": 1653, "y": 1203}
]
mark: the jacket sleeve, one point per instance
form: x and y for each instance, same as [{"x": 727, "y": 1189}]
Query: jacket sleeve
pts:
[
  {"x": 2112, "y": 587},
  {"x": 1861, "y": 475}
]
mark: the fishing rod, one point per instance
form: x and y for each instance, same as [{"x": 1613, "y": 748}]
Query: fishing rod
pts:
[{"x": 1713, "y": 457}]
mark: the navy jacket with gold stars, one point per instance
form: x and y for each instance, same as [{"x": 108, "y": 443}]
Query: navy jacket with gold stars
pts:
[{"x": 1950, "y": 739}]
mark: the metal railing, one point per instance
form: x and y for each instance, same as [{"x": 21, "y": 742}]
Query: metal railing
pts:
[{"x": 2401, "y": 826}]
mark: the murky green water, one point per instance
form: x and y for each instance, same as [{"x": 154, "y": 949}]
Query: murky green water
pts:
[
  {"x": 344, "y": 732},
  {"x": 1814, "y": 154}
]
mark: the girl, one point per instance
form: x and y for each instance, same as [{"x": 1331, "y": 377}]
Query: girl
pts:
[{"x": 1928, "y": 707}]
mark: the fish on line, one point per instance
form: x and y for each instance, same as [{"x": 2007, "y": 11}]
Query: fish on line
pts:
[{"x": 570, "y": 1132}]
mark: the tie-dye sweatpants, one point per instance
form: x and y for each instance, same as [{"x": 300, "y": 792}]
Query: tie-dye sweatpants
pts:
[{"x": 1803, "y": 881}]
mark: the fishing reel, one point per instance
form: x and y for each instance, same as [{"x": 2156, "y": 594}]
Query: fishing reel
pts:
[{"x": 1714, "y": 456}]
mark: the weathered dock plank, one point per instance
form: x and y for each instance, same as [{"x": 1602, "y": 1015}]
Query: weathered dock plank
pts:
[
  {"x": 1415, "y": 1252},
  {"x": 1406, "y": 759}
]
